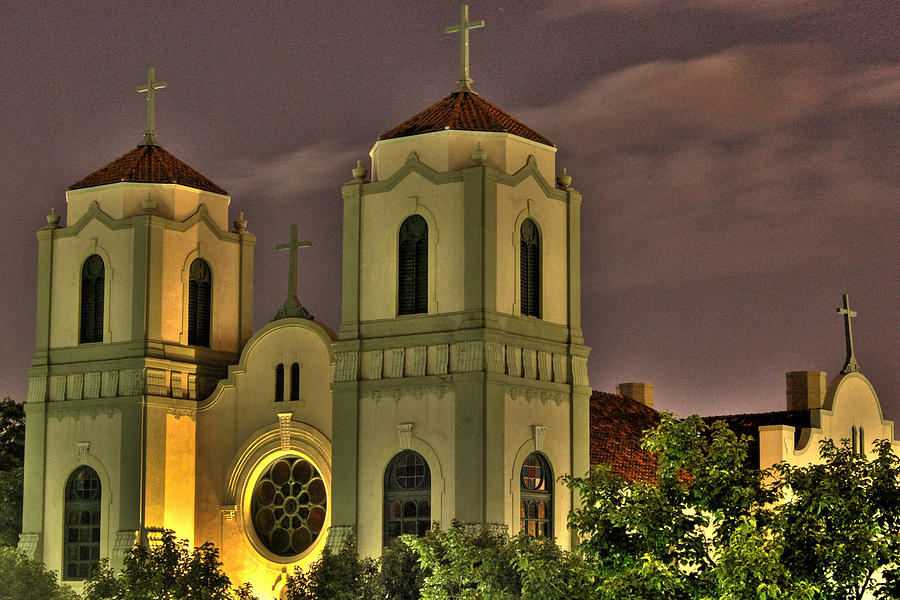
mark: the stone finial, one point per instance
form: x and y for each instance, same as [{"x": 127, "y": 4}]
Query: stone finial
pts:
[
  {"x": 240, "y": 224},
  {"x": 564, "y": 180},
  {"x": 53, "y": 219},
  {"x": 360, "y": 172},
  {"x": 479, "y": 155}
]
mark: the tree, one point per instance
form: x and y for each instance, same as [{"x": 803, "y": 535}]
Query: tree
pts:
[
  {"x": 12, "y": 460},
  {"x": 341, "y": 576},
  {"x": 166, "y": 571},
  {"x": 25, "y": 579},
  {"x": 485, "y": 565},
  {"x": 843, "y": 517},
  {"x": 703, "y": 529}
]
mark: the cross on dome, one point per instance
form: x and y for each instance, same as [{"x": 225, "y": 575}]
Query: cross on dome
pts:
[
  {"x": 465, "y": 82},
  {"x": 150, "y": 90},
  {"x": 850, "y": 365},
  {"x": 292, "y": 306}
]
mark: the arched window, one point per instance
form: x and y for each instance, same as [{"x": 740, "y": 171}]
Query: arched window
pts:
[
  {"x": 853, "y": 440},
  {"x": 295, "y": 381},
  {"x": 82, "y": 524},
  {"x": 862, "y": 441},
  {"x": 413, "y": 266},
  {"x": 92, "y": 288},
  {"x": 536, "y": 506},
  {"x": 199, "y": 303},
  {"x": 530, "y": 268},
  {"x": 407, "y": 496},
  {"x": 279, "y": 383}
]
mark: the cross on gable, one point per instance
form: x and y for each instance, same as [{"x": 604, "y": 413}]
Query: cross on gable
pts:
[
  {"x": 850, "y": 364},
  {"x": 292, "y": 306},
  {"x": 150, "y": 90},
  {"x": 465, "y": 82}
]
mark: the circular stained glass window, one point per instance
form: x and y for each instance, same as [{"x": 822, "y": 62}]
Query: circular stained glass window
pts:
[{"x": 289, "y": 505}]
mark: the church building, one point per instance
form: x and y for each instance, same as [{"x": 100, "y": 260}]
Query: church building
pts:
[{"x": 455, "y": 389}]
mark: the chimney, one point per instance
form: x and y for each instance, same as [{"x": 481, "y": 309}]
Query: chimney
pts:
[
  {"x": 805, "y": 390},
  {"x": 642, "y": 392}
]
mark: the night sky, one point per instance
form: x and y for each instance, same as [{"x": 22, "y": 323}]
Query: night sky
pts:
[{"x": 738, "y": 160}]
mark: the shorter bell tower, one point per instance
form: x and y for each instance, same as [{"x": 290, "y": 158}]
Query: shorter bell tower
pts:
[{"x": 144, "y": 299}]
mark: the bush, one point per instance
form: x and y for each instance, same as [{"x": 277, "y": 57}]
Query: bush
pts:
[{"x": 26, "y": 579}]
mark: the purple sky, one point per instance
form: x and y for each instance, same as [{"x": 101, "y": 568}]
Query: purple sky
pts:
[{"x": 738, "y": 160}]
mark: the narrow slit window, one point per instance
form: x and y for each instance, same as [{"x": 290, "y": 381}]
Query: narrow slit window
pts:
[
  {"x": 279, "y": 383},
  {"x": 199, "y": 303},
  {"x": 93, "y": 275},
  {"x": 530, "y": 268},
  {"x": 412, "y": 281},
  {"x": 295, "y": 382}
]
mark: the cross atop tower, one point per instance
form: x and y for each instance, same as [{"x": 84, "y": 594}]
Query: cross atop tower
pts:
[
  {"x": 465, "y": 82},
  {"x": 292, "y": 306},
  {"x": 150, "y": 90},
  {"x": 850, "y": 365}
]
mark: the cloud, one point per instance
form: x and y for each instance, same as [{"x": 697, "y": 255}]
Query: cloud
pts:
[
  {"x": 749, "y": 160},
  {"x": 771, "y": 10}
]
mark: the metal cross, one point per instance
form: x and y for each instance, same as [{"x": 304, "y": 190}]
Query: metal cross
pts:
[
  {"x": 150, "y": 89},
  {"x": 465, "y": 82},
  {"x": 850, "y": 365},
  {"x": 292, "y": 246}
]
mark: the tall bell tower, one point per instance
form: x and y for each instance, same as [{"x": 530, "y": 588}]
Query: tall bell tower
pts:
[
  {"x": 461, "y": 379},
  {"x": 144, "y": 299}
]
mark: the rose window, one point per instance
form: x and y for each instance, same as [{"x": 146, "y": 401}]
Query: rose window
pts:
[{"x": 289, "y": 505}]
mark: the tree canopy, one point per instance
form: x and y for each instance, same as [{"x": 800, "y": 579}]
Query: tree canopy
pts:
[{"x": 12, "y": 461}]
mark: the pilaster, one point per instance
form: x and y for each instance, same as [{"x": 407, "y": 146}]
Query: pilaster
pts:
[{"x": 352, "y": 193}]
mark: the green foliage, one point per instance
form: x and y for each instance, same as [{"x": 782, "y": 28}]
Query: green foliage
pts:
[
  {"x": 12, "y": 458},
  {"x": 341, "y": 576},
  {"x": 167, "y": 571},
  {"x": 484, "y": 565},
  {"x": 843, "y": 518},
  {"x": 25, "y": 579},
  {"x": 401, "y": 574}
]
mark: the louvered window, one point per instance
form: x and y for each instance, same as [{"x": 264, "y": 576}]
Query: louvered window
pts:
[
  {"x": 413, "y": 257},
  {"x": 279, "y": 383},
  {"x": 199, "y": 303},
  {"x": 407, "y": 496},
  {"x": 530, "y": 268},
  {"x": 81, "y": 545},
  {"x": 92, "y": 300},
  {"x": 295, "y": 381},
  {"x": 536, "y": 491}
]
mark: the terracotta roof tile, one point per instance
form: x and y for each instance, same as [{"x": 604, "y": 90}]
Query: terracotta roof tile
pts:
[
  {"x": 617, "y": 427},
  {"x": 148, "y": 164},
  {"x": 463, "y": 111}
]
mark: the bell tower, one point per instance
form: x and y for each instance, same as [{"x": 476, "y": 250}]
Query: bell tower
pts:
[
  {"x": 144, "y": 299},
  {"x": 460, "y": 352}
]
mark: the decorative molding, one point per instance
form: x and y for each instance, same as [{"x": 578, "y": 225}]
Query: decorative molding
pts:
[
  {"x": 228, "y": 511},
  {"x": 110, "y": 384},
  {"x": 560, "y": 370},
  {"x": 132, "y": 382},
  {"x": 397, "y": 360},
  {"x": 37, "y": 389},
  {"x": 404, "y": 430},
  {"x": 92, "y": 384},
  {"x": 347, "y": 366},
  {"x": 529, "y": 363},
  {"x": 579, "y": 370},
  {"x": 82, "y": 448},
  {"x": 284, "y": 429},
  {"x": 545, "y": 365},
  {"x": 192, "y": 386},
  {"x": 373, "y": 361},
  {"x": 470, "y": 356},
  {"x": 419, "y": 356},
  {"x": 126, "y": 539},
  {"x": 57, "y": 388},
  {"x": 539, "y": 432},
  {"x": 441, "y": 358},
  {"x": 75, "y": 386},
  {"x": 181, "y": 412},
  {"x": 337, "y": 535},
  {"x": 493, "y": 352},
  {"x": 513, "y": 365},
  {"x": 157, "y": 384},
  {"x": 28, "y": 544},
  {"x": 154, "y": 536}
]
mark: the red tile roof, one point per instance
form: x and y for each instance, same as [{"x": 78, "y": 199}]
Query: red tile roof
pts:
[
  {"x": 617, "y": 427},
  {"x": 464, "y": 111},
  {"x": 148, "y": 164}
]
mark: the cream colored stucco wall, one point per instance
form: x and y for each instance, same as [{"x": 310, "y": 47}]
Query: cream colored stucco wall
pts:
[{"x": 239, "y": 435}]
